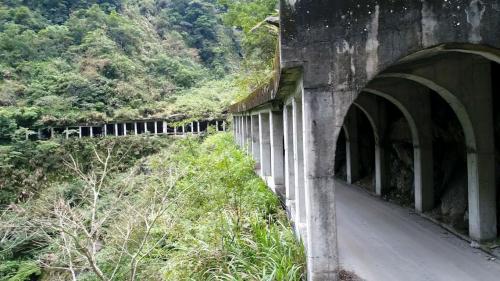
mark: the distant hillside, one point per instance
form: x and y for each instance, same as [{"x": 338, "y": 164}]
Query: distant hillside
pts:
[{"x": 69, "y": 61}]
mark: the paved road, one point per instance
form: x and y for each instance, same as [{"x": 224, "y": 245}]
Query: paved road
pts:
[{"x": 380, "y": 241}]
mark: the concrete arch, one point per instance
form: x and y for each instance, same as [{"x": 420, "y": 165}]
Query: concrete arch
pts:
[
  {"x": 480, "y": 169},
  {"x": 484, "y": 51},
  {"x": 457, "y": 106},
  {"x": 373, "y": 123},
  {"x": 371, "y": 108},
  {"x": 409, "y": 118},
  {"x": 415, "y": 109}
]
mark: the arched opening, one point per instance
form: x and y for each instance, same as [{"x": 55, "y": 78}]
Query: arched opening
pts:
[
  {"x": 399, "y": 146},
  {"x": 450, "y": 166},
  {"x": 341, "y": 157},
  {"x": 355, "y": 150}
]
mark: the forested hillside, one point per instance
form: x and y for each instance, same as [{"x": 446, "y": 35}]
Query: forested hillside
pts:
[
  {"x": 134, "y": 207},
  {"x": 65, "y": 62}
]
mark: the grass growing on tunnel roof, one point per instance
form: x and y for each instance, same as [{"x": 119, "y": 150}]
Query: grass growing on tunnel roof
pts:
[{"x": 231, "y": 227}]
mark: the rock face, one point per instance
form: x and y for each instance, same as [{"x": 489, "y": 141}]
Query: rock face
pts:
[
  {"x": 401, "y": 162},
  {"x": 454, "y": 201}
]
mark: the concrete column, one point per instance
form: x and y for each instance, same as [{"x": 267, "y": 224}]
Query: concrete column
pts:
[
  {"x": 255, "y": 140},
  {"x": 216, "y": 126},
  {"x": 52, "y": 134},
  {"x": 374, "y": 110},
  {"x": 165, "y": 127},
  {"x": 105, "y": 130},
  {"x": 39, "y": 134},
  {"x": 481, "y": 163},
  {"x": 67, "y": 133},
  {"x": 192, "y": 128},
  {"x": 224, "y": 126},
  {"x": 146, "y": 127},
  {"x": 265, "y": 145},
  {"x": 320, "y": 137},
  {"x": 239, "y": 131},
  {"x": 124, "y": 129},
  {"x": 234, "y": 128},
  {"x": 289, "y": 162},
  {"x": 248, "y": 134},
  {"x": 414, "y": 102},
  {"x": 116, "y": 129},
  {"x": 352, "y": 146},
  {"x": 136, "y": 131},
  {"x": 91, "y": 131},
  {"x": 298, "y": 157},
  {"x": 183, "y": 130},
  {"x": 198, "y": 124},
  {"x": 156, "y": 128},
  {"x": 79, "y": 132},
  {"x": 277, "y": 156}
]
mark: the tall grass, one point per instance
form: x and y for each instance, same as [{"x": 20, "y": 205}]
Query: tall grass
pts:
[{"x": 231, "y": 227}]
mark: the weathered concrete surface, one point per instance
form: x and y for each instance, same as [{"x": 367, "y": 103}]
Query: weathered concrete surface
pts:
[{"x": 380, "y": 241}]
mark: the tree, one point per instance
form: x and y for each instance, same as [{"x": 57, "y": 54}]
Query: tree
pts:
[{"x": 79, "y": 225}]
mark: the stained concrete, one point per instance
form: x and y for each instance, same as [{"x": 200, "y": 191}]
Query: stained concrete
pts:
[{"x": 381, "y": 241}]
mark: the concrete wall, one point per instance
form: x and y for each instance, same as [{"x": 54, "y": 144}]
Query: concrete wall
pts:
[{"x": 395, "y": 50}]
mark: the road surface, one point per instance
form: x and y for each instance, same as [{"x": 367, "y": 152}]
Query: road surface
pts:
[{"x": 380, "y": 241}]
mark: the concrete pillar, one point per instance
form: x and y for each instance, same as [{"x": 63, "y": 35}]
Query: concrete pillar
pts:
[
  {"x": 255, "y": 140},
  {"x": 481, "y": 163},
  {"x": 146, "y": 127},
  {"x": 198, "y": 124},
  {"x": 353, "y": 166},
  {"x": 183, "y": 130},
  {"x": 289, "y": 161},
  {"x": 414, "y": 102},
  {"x": 216, "y": 126},
  {"x": 223, "y": 126},
  {"x": 136, "y": 131},
  {"x": 116, "y": 129},
  {"x": 277, "y": 156},
  {"x": 374, "y": 110},
  {"x": 165, "y": 127},
  {"x": 52, "y": 133},
  {"x": 265, "y": 145},
  {"x": 298, "y": 157},
  {"x": 156, "y": 128},
  {"x": 67, "y": 133},
  {"x": 91, "y": 131},
  {"x": 234, "y": 128},
  {"x": 248, "y": 133},
  {"x": 238, "y": 131},
  {"x": 124, "y": 129},
  {"x": 105, "y": 130},
  {"x": 192, "y": 128},
  {"x": 39, "y": 134},
  {"x": 79, "y": 132},
  {"x": 320, "y": 136}
]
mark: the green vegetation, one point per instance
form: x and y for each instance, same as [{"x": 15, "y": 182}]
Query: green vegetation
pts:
[
  {"x": 134, "y": 208},
  {"x": 195, "y": 211},
  {"x": 67, "y": 62}
]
